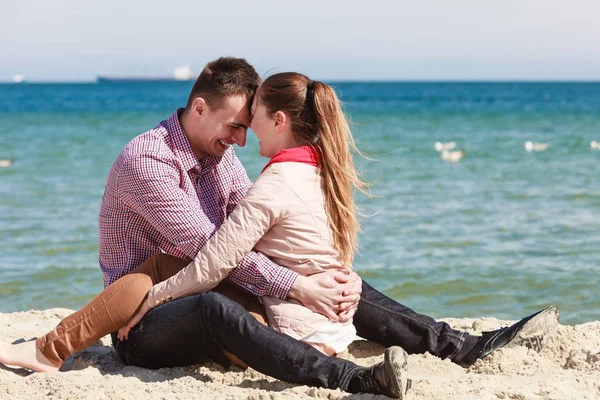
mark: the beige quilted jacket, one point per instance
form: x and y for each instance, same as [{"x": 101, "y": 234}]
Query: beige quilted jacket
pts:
[{"x": 282, "y": 216}]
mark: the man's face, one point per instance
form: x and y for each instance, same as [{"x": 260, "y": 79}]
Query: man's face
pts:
[{"x": 220, "y": 128}]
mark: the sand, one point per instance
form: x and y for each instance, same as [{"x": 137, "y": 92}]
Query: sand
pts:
[{"x": 567, "y": 368}]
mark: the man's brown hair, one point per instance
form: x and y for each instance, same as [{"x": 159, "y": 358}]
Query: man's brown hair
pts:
[{"x": 224, "y": 77}]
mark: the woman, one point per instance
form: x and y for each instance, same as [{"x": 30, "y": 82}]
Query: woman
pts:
[{"x": 300, "y": 213}]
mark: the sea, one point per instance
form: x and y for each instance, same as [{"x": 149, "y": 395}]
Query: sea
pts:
[{"x": 503, "y": 232}]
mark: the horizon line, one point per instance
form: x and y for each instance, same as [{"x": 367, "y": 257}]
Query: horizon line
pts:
[{"x": 336, "y": 80}]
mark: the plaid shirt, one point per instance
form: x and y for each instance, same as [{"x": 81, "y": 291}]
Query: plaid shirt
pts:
[{"x": 159, "y": 198}]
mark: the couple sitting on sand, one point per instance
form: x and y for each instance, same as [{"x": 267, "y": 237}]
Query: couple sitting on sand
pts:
[{"x": 200, "y": 264}]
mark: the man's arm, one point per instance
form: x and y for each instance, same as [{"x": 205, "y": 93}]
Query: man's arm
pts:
[
  {"x": 259, "y": 210},
  {"x": 149, "y": 185}
]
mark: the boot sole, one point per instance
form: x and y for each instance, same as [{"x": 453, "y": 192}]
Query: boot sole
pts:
[
  {"x": 396, "y": 360},
  {"x": 535, "y": 333}
]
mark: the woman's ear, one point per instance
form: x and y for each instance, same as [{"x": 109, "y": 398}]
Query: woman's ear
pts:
[{"x": 280, "y": 120}]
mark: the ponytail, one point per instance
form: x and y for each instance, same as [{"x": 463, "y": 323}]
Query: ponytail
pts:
[
  {"x": 317, "y": 120},
  {"x": 335, "y": 143}
]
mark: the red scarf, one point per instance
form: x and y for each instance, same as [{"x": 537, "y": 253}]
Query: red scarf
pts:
[{"x": 303, "y": 154}]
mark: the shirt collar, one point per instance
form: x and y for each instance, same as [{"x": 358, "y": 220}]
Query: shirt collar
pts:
[
  {"x": 302, "y": 154},
  {"x": 181, "y": 144}
]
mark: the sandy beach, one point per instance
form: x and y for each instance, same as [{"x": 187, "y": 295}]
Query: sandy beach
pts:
[{"x": 567, "y": 368}]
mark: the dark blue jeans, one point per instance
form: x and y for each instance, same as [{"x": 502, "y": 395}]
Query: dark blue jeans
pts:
[
  {"x": 389, "y": 323},
  {"x": 194, "y": 329}
]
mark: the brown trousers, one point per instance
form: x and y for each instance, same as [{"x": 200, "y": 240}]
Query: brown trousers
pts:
[{"x": 118, "y": 303}]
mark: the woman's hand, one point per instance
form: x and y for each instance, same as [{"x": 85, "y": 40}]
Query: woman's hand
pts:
[{"x": 124, "y": 331}]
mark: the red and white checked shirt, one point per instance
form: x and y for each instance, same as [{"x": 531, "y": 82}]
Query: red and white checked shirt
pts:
[{"x": 159, "y": 198}]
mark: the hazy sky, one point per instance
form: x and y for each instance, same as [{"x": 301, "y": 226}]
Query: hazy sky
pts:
[{"x": 327, "y": 39}]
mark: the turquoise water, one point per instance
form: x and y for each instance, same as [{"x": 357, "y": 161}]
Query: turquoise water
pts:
[{"x": 503, "y": 232}]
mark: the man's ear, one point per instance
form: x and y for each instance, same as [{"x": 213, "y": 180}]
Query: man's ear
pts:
[
  {"x": 280, "y": 120},
  {"x": 199, "y": 106}
]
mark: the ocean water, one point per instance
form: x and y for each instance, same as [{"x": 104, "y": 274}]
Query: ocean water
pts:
[{"x": 501, "y": 233}]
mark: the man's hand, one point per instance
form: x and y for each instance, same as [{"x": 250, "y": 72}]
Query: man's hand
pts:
[
  {"x": 124, "y": 331},
  {"x": 329, "y": 293},
  {"x": 347, "y": 310}
]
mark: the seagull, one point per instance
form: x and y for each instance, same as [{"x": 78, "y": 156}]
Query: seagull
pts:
[
  {"x": 452, "y": 156},
  {"x": 439, "y": 146},
  {"x": 5, "y": 163},
  {"x": 595, "y": 145},
  {"x": 530, "y": 146}
]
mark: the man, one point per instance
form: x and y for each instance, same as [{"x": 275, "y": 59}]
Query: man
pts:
[{"x": 169, "y": 191}]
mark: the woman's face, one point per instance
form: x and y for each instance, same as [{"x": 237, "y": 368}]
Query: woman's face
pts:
[{"x": 265, "y": 128}]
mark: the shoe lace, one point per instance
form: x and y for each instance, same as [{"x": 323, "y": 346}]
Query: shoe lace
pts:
[{"x": 368, "y": 382}]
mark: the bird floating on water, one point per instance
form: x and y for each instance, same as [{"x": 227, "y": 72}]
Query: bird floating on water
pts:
[
  {"x": 439, "y": 146},
  {"x": 5, "y": 163},
  {"x": 595, "y": 145},
  {"x": 452, "y": 156},
  {"x": 530, "y": 146}
]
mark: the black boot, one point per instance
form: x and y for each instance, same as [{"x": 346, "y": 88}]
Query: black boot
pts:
[
  {"x": 532, "y": 331},
  {"x": 388, "y": 377}
]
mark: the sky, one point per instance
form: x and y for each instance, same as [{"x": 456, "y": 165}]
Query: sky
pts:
[{"x": 75, "y": 40}]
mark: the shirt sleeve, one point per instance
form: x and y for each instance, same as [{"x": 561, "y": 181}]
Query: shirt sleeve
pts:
[{"x": 255, "y": 214}]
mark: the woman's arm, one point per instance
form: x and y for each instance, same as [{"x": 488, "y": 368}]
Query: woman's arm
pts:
[
  {"x": 258, "y": 211},
  {"x": 256, "y": 272}
]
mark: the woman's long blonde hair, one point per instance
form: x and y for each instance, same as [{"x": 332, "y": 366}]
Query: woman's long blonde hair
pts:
[{"x": 318, "y": 120}]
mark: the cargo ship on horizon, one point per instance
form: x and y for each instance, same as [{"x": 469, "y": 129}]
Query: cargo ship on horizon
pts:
[{"x": 180, "y": 74}]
